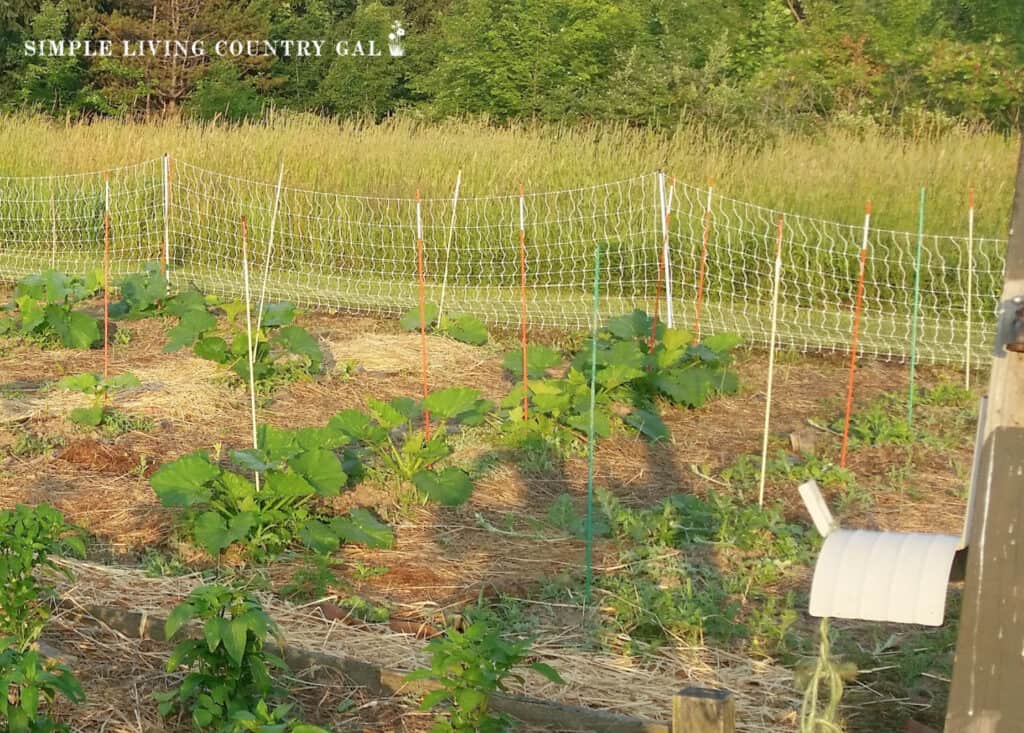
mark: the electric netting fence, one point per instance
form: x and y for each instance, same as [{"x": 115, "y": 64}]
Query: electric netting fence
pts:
[{"x": 359, "y": 253}]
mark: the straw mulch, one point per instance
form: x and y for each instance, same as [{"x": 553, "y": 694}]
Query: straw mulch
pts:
[{"x": 644, "y": 687}]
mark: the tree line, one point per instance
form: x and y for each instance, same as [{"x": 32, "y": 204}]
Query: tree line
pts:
[{"x": 731, "y": 63}]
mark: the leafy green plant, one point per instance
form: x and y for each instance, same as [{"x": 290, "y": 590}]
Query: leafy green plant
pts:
[
  {"x": 99, "y": 389},
  {"x": 744, "y": 473},
  {"x": 469, "y": 666},
  {"x": 280, "y": 349},
  {"x": 28, "y": 681},
  {"x": 295, "y": 469},
  {"x": 638, "y": 363},
  {"x": 394, "y": 433},
  {"x": 141, "y": 293},
  {"x": 44, "y": 309},
  {"x": 467, "y": 329},
  {"x": 229, "y": 669},
  {"x": 29, "y": 538},
  {"x": 879, "y": 423},
  {"x": 28, "y": 444}
]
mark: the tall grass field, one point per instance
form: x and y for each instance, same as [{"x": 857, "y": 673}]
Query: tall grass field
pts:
[{"x": 828, "y": 176}]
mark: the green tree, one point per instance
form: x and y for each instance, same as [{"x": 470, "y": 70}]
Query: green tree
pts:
[
  {"x": 53, "y": 83},
  {"x": 367, "y": 79}
]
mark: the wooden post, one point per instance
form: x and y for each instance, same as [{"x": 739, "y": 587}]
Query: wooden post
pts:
[
  {"x": 989, "y": 665},
  {"x": 703, "y": 710}
]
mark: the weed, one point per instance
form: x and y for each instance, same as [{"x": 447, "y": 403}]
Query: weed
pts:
[
  {"x": 116, "y": 423},
  {"x": 817, "y": 715},
  {"x": 745, "y": 473},
  {"x": 946, "y": 394},
  {"x": 156, "y": 564},
  {"x": 28, "y": 444}
]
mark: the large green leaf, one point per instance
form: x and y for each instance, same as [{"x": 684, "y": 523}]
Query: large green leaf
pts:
[
  {"x": 183, "y": 302},
  {"x": 182, "y": 483},
  {"x": 76, "y": 330},
  {"x": 690, "y": 386},
  {"x": 87, "y": 415},
  {"x": 84, "y": 382},
  {"x": 298, "y": 340},
  {"x": 193, "y": 324},
  {"x": 288, "y": 485},
  {"x": 602, "y": 423},
  {"x": 411, "y": 320},
  {"x": 468, "y": 330},
  {"x": 212, "y": 348},
  {"x": 277, "y": 314},
  {"x": 538, "y": 360},
  {"x": 32, "y": 314},
  {"x": 319, "y": 537},
  {"x": 631, "y": 326},
  {"x": 252, "y": 459},
  {"x": 451, "y": 402},
  {"x": 178, "y": 617},
  {"x": 278, "y": 444},
  {"x": 358, "y": 426},
  {"x": 722, "y": 343},
  {"x": 322, "y": 469},
  {"x": 359, "y": 526},
  {"x": 213, "y": 535},
  {"x": 122, "y": 380},
  {"x": 615, "y": 375},
  {"x": 648, "y": 423},
  {"x": 325, "y": 437},
  {"x": 450, "y": 487},
  {"x": 386, "y": 415}
]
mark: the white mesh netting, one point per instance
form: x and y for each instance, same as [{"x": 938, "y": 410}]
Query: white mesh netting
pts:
[{"x": 359, "y": 253}]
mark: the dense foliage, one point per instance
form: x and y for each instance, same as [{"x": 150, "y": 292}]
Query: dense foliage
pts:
[
  {"x": 29, "y": 538},
  {"x": 735, "y": 62},
  {"x": 43, "y": 308}
]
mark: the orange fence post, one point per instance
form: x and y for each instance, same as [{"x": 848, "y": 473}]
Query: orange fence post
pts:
[
  {"x": 703, "y": 263},
  {"x": 856, "y": 330}
]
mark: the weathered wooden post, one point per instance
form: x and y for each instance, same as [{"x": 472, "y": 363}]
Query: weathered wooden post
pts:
[
  {"x": 987, "y": 694},
  {"x": 703, "y": 710}
]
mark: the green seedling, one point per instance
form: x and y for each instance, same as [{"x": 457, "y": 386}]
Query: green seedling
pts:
[{"x": 99, "y": 389}]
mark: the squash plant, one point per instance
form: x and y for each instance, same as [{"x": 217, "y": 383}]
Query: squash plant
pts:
[
  {"x": 279, "y": 346},
  {"x": 141, "y": 293},
  {"x": 395, "y": 433},
  {"x": 296, "y": 467},
  {"x": 633, "y": 373},
  {"x": 98, "y": 388},
  {"x": 467, "y": 329},
  {"x": 43, "y": 308},
  {"x": 229, "y": 669}
]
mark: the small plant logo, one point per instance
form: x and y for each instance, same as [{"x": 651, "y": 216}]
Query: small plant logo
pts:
[{"x": 395, "y": 39}]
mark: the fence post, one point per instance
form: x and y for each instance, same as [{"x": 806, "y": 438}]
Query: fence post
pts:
[
  {"x": 970, "y": 284},
  {"x": 665, "y": 249},
  {"x": 703, "y": 710},
  {"x": 165, "y": 263}
]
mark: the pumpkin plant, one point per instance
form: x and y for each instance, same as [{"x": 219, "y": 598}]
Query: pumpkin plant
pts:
[
  {"x": 296, "y": 468},
  {"x": 279, "y": 347},
  {"x": 99, "y": 389},
  {"x": 142, "y": 293},
  {"x": 467, "y": 329},
  {"x": 43, "y": 308},
  {"x": 395, "y": 432},
  {"x": 638, "y": 363}
]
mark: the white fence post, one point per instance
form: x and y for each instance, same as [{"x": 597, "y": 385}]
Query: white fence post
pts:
[{"x": 666, "y": 260}]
